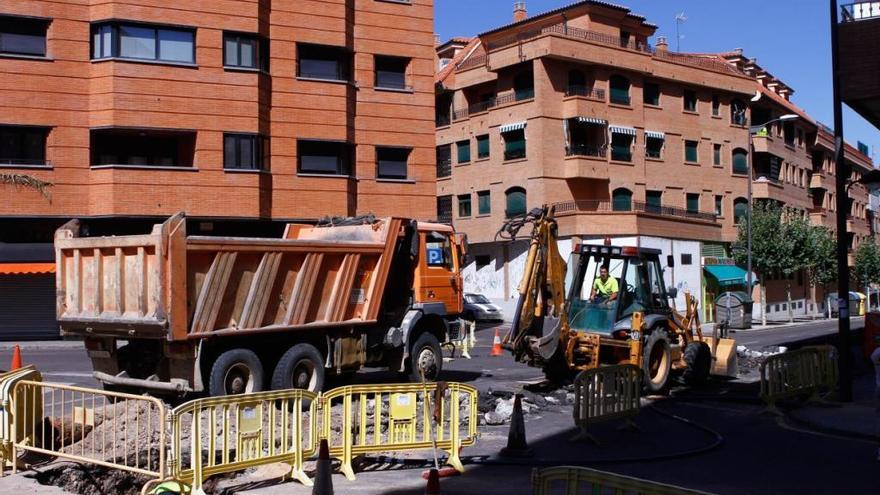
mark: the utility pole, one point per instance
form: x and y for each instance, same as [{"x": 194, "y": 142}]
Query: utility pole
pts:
[
  {"x": 679, "y": 20},
  {"x": 843, "y": 173}
]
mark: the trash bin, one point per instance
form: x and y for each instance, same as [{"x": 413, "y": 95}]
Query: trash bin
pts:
[
  {"x": 734, "y": 307},
  {"x": 872, "y": 333},
  {"x": 861, "y": 304}
]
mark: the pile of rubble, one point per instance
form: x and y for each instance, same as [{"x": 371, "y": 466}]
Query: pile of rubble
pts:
[
  {"x": 496, "y": 406},
  {"x": 749, "y": 360}
]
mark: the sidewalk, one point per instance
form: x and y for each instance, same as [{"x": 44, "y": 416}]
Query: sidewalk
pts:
[
  {"x": 858, "y": 419},
  {"x": 33, "y": 345}
]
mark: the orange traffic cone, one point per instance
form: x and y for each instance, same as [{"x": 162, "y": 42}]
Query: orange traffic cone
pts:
[
  {"x": 16, "y": 358},
  {"x": 433, "y": 487},
  {"x": 323, "y": 472},
  {"x": 496, "y": 345}
]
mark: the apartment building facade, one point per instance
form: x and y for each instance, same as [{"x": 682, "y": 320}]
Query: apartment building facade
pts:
[
  {"x": 646, "y": 146},
  {"x": 242, "y": 114}
]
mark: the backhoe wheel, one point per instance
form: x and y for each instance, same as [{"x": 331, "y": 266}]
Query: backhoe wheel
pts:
[
  {"x": 300, "y": 367},
  {"x": 656, "y": 362},
  {"x": 425, "y": 354},
  {"x": 236, "y": 371},
  {"x": 699, "y": 362}
]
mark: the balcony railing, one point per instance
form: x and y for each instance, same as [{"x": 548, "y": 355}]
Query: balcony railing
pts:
[
  {"x": 585, "y": 91},
  {"x": 471, "y": 62},
  {"x": 859, "y": 11},
  {"x": 486, "y": 105},
  {"x": 597, "y": 206},
  {"x": 578, "y": 149}
]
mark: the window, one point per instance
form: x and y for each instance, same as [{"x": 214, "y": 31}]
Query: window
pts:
[
  {"x": 621, "y": 146},
  {"x": 21, "y": 145},
  {"x": 687, "y": 259},
  {"x": 716, "y": 154},
  {"x": 324, "y": 157},
  {"x": 483, "y": 146},
  {"x": 438, "y": 250},
  {"x": 464, "y": 205},
  {"x": 740, "y": 161},
  {"x": 23, "y": 36},
  {"x": 651, "y": 94},
  {"x": 142, "y": 147},
  {"x": 653, "y": 146},
  {"x": 693, "y": 202},
  {"x": 516, "y": 202},
  {"x": 621, "y": 200},
  {"x": 444, "y": 209},
  {"x": 577, "y": 82},
  {"x": 716, "y": 106},
  {"x": 323, "y": 62},
  {"x": 444, "y": 160},
  {"x": 740, "y": 209},
  {"x": 143, "y": 42},
  {"x": 524, "y": 85},
  {"x": 719, "y": 210},
  {"x": 737, "y": 112},
  {"x": 391, "y": 72},
  {"x": 800, "y": 138},
  {"x": 690, "y": 151},
  {"x": 245, "y": 51},
  {"x": 788, "y": 133},
  {"x": 619, "y": 90},
  {"x": 391, "y": 163},
  {"x": 514, "y": 144},
  {"x": 690, "y": 101},
  {"x": 243, "y": 151},
  {"x": 464, "y": 151},
  {"x": 654, "y": 201},
  {"x": 484, "y": 203}
]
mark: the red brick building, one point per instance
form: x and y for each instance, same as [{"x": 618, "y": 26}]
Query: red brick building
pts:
[{"x": 243, "y": 114}]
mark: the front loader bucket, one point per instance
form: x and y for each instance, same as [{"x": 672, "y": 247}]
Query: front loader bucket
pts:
[{"x": 724, "y": 360}]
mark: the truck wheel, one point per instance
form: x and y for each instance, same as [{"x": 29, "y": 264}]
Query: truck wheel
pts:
[
  {"x": 425, "y": 354},
  {"x": 236, "y": 371},
  {"x": 699, "y": 362},
  {"x": 300, "y": 367},
  {"x": 656, "y": 361}
]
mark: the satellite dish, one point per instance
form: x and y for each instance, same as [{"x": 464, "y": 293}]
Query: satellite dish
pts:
[{"x": 757, "y": 96}]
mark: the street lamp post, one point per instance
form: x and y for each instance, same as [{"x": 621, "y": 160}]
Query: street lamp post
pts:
[{"x": 752, "y": 131}]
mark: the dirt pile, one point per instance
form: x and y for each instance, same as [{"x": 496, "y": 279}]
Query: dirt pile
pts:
[{"x": 91, "y": 480}]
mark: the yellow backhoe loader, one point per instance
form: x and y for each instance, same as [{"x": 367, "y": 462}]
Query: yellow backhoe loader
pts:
[{"x": 563, "y": 324}]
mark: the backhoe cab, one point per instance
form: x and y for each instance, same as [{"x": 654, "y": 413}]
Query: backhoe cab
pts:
[{"x": 607, "y": 305}]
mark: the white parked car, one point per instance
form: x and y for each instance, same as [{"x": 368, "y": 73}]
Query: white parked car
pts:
[{"x": 478, "y": 307}]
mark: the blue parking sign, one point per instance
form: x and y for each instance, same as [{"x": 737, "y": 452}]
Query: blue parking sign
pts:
[{"x": 435, "y": 256}]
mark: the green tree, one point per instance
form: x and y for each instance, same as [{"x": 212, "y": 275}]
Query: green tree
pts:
[
  {"x": 796, "y": 252},
  {"x": 767, "y": 244},
  {"x": 823, "y": 268},
  {"x": 867, "y": 265},
  {"x": 24, "y": 180}
]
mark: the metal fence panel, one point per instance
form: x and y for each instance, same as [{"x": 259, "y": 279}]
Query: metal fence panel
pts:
[
  {"x": 570, "y": 480},
  {"x": 606, "y": 393},
  {"x": 808, "y": 371}
]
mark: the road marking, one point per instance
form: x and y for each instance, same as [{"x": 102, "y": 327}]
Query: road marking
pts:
[{"x": 73, "y": 374}]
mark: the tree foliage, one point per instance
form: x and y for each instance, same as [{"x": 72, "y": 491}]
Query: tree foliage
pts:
[
  {"x": 823, "y": 269},
  {"x": 867, "y": 266}
]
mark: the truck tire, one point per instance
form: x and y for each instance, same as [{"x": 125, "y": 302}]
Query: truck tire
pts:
[
  {"x": 300, "y": 367},
  {"x": 425, "y": 353},
  {"x": 236, "y": 371},
  {"x": 656, "y": 361},
  {"x": 698, "y": 358}
]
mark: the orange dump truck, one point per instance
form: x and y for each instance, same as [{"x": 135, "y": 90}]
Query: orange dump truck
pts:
[{"x": 169, "y": 313}]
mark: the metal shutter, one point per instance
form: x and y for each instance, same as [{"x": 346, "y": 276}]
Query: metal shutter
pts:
[{"x": 27, "y": 307}]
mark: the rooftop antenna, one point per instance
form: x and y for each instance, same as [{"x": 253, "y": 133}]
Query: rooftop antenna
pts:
[{"x": 679, "y": 20}]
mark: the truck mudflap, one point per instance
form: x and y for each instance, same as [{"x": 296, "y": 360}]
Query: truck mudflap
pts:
[{"x": 174, "y": 386}]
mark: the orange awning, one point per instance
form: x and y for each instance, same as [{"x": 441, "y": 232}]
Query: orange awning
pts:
[{"x": 26, "y": 268}]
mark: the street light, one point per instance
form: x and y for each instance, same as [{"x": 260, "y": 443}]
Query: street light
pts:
[{"x": 752, "y": 131}]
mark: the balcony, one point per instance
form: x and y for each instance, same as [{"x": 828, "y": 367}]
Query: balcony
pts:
[
  {"x": 584, "y": 161},
  {"x": 818, "y": 217},
  {"x": 497, "y": 101},
  {"x": 859, "y": 37},
  {"x": 577, "y": 90},
  {"x": 769, "y": 144},
  {"x": 819, "y": 180},
  {"x": 593, "y": 217},
  {"x": 598, "y": 206}
]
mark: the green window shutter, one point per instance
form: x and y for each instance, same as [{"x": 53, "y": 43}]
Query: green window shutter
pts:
[
  {"x": 621, "y": 200},
  {"x": 693, "y": 203},
  {"x": 484, "y": 203},
  {"x": 516, "y": 203},
  {"x": 483, "y": 147},
  {"x": 690, "y": 151},
  {"x": 740, "y": 162},
  {"x": 654, "y": 201},
  {"x": 464, "y": 151},
  {"x": 621, "y": 147},
  {"x": 514, "y": 145}
]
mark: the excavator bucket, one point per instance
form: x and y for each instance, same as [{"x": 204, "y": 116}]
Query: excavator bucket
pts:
[{"x": 724, "y": 361}]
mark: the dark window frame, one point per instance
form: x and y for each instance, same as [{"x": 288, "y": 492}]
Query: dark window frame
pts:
[
  {"x": 512, "y": 152},
  {"x": 696, "y": 148},
  {"x": 622, "y": 152},
  {"x": 22, "y": 131},
  {"x": 650, "y": 151},
  {"x": 656, "y": 92},
  {"x": 695, "y": 198},
  {"x": 261, "y": 56},
  {"x": 404, "y": 86},
  {"x": 654, "y": 201},
  {"x": 343, "y": 159},
  {"x": 259, "y": 147},
  {"x": 481, "y": 195},
  {"x": 621, "y": 199},
  {"x": 406, "y": 151},
  {"x": 153, "y": 145},
  {"x": 460, "y": 146},
  {"x": 508, "y": 194},
  {"x": 685, "y": 99},
  {"x": 716, "y": 106},
  {"x": 26, "y": 26},
  {"x": 739, "y": 168},
  {"x": 343, "y": 70},
  {"x": 483, "y": 138},
  {"x": 616, "y": 93},
  {"x": 464, "y": 201},
  {"x": 116, "y": 41}
]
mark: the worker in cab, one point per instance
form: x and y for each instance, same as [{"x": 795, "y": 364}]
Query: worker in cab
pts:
[{"x": 605, "y": 287}]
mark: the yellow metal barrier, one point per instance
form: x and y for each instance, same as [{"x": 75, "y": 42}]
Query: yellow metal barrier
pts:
[
  {"x": 569, "y": 480},
  {"x": 606, "y": 393},
  {"x": 808, "y": 371},
  {"x": 110, "y": 429},
  {"x": 237, "y": 432},
  {"x": 386, "y": 418},
  {"x": 8, "y": 412}
]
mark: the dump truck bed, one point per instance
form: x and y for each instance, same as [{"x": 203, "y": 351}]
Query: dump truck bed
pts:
[{"x": 166, "y": 284}]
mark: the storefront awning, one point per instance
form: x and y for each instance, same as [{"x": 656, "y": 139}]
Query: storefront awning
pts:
[
  {"x": 622, "y": 130},
  {"x": 592, "y": 120},
  {"x": 513, "y": 127},
  {"x": 26, "y": 268},
  {"x": 655, "y": 134},
  {"x": 728, "y": 275}
]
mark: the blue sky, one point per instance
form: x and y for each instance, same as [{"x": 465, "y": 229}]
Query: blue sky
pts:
[{"x": 790, "y": 38}]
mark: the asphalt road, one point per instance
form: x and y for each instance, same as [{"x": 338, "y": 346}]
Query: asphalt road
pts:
[{"x": 794, "y": 336}]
